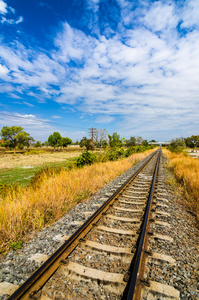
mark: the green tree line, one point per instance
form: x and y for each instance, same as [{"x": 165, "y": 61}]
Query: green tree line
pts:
[{"x": 15, "y": 137}]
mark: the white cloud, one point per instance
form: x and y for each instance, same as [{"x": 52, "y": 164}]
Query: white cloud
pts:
[
  {"x": 3, "y": 71},
  {"x": 19, "y": 20},
  {"x": 70, "y": 43},
  {"x": 4, "y": 10},
  {"x": 93, "y": 5},
  {"x": 14, "y": 96},
  {"x": 28, "y": 104},
  {"x": 8, "y": 21},
  {"x": 144, "y": 76},
  {"x": 160, "y": 17},
  {"x": 12, "y": 9},
  {"x": 3, "y": 7},
  {"x": 190, "y": 15}
]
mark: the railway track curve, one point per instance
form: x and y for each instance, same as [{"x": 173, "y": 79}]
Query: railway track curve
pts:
[{"x": 110, "y": 254}]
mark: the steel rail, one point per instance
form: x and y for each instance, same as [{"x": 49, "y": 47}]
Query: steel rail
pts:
[
  {"x": 34, "y": 283},
  {"x": 132, "y": 286}
]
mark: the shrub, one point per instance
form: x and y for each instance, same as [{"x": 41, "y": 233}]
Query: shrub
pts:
[
  {"x": 129, "y": 152},
  {"x": 112, "y": 155},
  {"x": 120, "y": 152},
  {"x": 177, "y": 145},
  {"x": 86, "y": 158}
]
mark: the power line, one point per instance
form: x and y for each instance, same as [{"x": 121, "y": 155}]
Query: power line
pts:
[{"x": 41, "y": 121}]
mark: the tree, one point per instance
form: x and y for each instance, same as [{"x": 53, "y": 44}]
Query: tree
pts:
[
  {"x": 76, "y": 143},
  {"x": 131, "y": 142},
  {"x": 65, "y": 141},
  {"x": 88, "y": 143},
  {"x": 114, "y": 140},
  {"x": 104, "y": 144},
  {"x": 46, "y": 143},
  {"x": 15, "y": 137},
  {"x": 192, "y": 142},
  {"x": 38, "y": 144},
  {"x": 139, "y": 140},
  {"x": 54, "y": 140},
  {"x": 152, "y": 141},
  {"x": 177, "y": 145},
  {"x": 145, "y": 143},
  {"x": 101, "y": 137}
]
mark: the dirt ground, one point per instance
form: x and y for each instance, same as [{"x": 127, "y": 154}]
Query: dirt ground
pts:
[{"x": 28, "y": 160}]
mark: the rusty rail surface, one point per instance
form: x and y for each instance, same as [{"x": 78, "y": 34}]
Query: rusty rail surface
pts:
[{"x": 133, "y": 287}]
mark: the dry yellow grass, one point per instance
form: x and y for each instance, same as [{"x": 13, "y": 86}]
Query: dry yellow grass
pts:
[
  {"x": 12, "y": 161},
  {"x": 186, "y": 170},
  {"x": 31, "y": 209}
]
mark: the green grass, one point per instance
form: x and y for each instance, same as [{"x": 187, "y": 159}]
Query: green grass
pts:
[{"x": 23, "y": 175}]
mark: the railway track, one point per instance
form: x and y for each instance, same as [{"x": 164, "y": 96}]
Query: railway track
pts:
[{"x": 110, "y": 255}]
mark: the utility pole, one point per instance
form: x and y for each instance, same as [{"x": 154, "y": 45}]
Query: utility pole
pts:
[{"x": 93, "y": 133}]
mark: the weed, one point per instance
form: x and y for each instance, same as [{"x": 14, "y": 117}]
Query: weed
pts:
[
  {"x": 15, "y": 245},
  {"x": 82, "y": 196}
]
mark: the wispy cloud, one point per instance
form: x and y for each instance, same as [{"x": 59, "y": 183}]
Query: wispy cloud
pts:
[
  {"x": 36, "y": 127},
  {"x": 28, "y": 104},
  {"x": 4, "y": 9},
  {"x": 56, "y": 117},
  {"x": 11, "y": 21},
  {"x": 104, "y": 119}
]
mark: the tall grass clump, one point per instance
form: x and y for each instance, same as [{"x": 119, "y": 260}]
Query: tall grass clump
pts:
[
  {"x": 32, "y": 208},
  {"x": 186, "y": 170}
]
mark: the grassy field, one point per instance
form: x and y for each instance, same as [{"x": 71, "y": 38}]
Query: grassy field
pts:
[
  {"x": 20, "y": 168},
  {"x": 186, "y": 171},
  {"x": 31, "y": 208}
]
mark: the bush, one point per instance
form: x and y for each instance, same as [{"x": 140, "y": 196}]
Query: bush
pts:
[
  {"x": 120, "y": 152},
  {"x": 86, "y": 158},
  {"x": 129, "y": 152},
  {"x": 112, "y": 155},
  {"x": 177, "y": 145}
]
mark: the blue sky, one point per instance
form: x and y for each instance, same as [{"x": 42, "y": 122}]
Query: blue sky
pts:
[{"x": 127, "y": 66}]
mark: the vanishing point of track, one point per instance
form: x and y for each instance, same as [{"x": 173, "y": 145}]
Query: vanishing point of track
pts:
[{"x": 117, "y": 234}]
